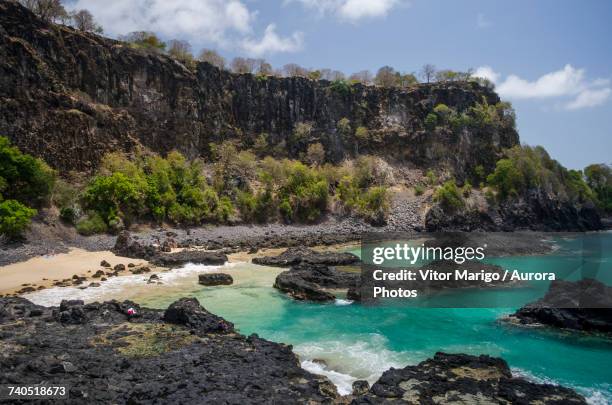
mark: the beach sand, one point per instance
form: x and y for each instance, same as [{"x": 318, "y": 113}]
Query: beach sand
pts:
[{"x": 45, "y": 270}]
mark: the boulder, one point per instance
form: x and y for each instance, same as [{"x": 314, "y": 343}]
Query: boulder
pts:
[
  {"x": 128, "y": 246},
  {"x": 297, "y": 255},
  {"x": 104, "y": 263},
  {"x": 211, "y": 279},
  {"x": 307, "y": 281},
  {"x": 178, "y": 259},
  {"x": 189, "y": 312}
]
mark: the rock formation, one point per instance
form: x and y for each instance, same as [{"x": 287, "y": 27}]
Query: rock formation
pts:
[{"x": 70, "y": 96}]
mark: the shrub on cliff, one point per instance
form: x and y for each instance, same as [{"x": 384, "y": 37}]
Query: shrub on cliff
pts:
[
  {"x": 527, "y": 168},
  {"x": 599, "y": 179},
  {"x": 23, "y": 177},
  {"x": 14, "y": 218},
  {"x": 449, "y": 196},
  {"x": 25, "y": 182}
]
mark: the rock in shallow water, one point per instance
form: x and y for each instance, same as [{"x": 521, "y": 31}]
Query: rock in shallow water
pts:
[
  {"x": 189, "y": 256},
  {"x": 297, "y": 255},
  {"x": 211, "y": 279},
  {"x": 584, "y": 305}
]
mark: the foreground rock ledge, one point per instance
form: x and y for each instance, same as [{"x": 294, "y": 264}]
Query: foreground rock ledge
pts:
[{"x": 187, "y": 355}]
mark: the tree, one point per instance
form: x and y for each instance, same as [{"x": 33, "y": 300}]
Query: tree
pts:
[
  {"x": 212, "y": 57},
  {"x": 364, "y": 77},
  {"x": 180, "y": 50},
  {"x": 83, "y": 20},
  {"x": 428, "y": 72},
  {"x": 47, "y": 10},
  {"x": 315, "y": 154},
  {"x": 407, "y": 80},
  {"x": 386, "y": 77},
  {"x": 295, "y": 70},
  {"x": 263, "y": 68},
  {"x": 145, "y": 39},
  {"x": 14, "y": 218},
  {"x": 242, "y": 65}
]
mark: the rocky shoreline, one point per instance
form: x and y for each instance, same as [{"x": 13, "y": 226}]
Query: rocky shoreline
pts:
[{"x": 122, "y": 353}]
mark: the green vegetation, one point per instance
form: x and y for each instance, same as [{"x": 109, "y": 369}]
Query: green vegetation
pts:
[
  {"x": 449, "y": 196},
  {"x": 25, "y": 182},
  {"x": 599, "y": 179},
  {"x": 481, "y": 116},
  {"x": 531, "y": 168}
]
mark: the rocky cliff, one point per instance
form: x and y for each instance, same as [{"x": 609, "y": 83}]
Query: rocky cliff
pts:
[{"x": 70, "y": 96}]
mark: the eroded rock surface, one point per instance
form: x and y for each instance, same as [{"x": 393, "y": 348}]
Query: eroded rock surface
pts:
[
  {"x": 107, "y": 356},
  {"x": 462, "y": 379},
  {"x": 211, "y": 279}
]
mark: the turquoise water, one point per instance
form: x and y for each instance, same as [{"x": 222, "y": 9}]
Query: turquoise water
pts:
[{"x": 357, "y": 341}]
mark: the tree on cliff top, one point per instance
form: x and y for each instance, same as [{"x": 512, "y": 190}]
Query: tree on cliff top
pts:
[
  {"x": 144, "y": 39},
  {"x": 428, "y": 72},
  {"x": 47, "y": 10},
  {"x": 83, "y": 20},
  {"x": 181, "y": 51},
  {"x": 211, "y": 56}
]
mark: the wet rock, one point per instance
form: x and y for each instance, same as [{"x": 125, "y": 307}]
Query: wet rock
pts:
[
  {"x": 119, "y": 267},
  {"x": 463, "y": 379},
  {"x": 153, "y": 279},
  {"x": 104, "y": 263},
  {"x": 360, "y": 387},
  {"x": 584, "y": 305},
  {"x": 26, "y": 290},
  {"x": 94, "y": 285},
  {"x": 130, "y": 265},
  {"x": 297, "y": 255},
  {"x": 212, "y": 279},
  {"x": 98, "y": 274},
  {"x": 189, "y": 256},
  {"x": 307, "y": 281},
  {"x": 189, "y": 312}
]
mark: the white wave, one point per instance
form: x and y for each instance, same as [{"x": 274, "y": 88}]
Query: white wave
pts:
[
  {"x": 343, "y": 382},
  {"x": 120, "y": 286},
  {"x": 593, "y": 396},
  {"x": 365, "y": 359},
  {"x": 341, "y": 302}
]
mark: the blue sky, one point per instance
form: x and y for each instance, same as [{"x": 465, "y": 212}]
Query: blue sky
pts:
[{"x": 551, "y": 59}]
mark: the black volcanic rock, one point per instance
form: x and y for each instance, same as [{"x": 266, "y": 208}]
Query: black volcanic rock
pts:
[
  {"x": 308, "y": 281},
  {"x": 462, "y": 379},
  {"x": 189, "y": 256},
  {"x": 297, "y": 255},
  {"x": 71, "y": 96},
  {"x": 189, "y": 312},
  {"x": 113, "y": 357},
  {"x": 211, "y": 279},
  {"x": 128, "y": 246},
  {"x": 584, "y": 305}
]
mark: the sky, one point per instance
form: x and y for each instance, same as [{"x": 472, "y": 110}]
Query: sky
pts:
[{"x": 551, "y": 58}]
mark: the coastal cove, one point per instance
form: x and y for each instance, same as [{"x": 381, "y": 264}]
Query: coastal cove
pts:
[{"x": 347, "y": 341}]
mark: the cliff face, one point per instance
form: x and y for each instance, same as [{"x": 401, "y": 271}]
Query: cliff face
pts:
[{"x": 69, "y": 97}]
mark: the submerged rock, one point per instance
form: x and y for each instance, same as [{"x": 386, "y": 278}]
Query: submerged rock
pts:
[
  {"x": 584, "y": 305},
  {"x": 189, "y": 256},
  {"x": 297, "y": 255},
  {"x": 211, "y": 279},
  {"x": 462, "y": 379}
]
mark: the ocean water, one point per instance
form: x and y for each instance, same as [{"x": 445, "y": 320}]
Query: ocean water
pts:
[{"x": 347, "y": 341}]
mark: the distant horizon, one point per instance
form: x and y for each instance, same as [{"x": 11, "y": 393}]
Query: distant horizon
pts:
[{"x": 551, "y": 59}]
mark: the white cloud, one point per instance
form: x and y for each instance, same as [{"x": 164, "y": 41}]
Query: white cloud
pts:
[
  {"x": 351, "y": 10},
  {"x": 271, "y": 43},
  {"x": 568, "y": 82},
  {"x": 223, "y": 23},
  {"x": 487, "y": 72},
  {"x": 482, "y": 21},
  {"x": 589, "y": 98}
]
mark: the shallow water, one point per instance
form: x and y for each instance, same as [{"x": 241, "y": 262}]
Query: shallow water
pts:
[{"x": 350, "y": 341}]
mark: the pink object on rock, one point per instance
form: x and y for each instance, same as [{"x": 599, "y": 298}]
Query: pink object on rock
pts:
[{"x": 131, "y": 311}]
